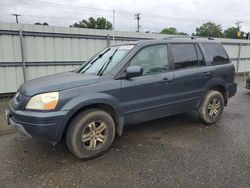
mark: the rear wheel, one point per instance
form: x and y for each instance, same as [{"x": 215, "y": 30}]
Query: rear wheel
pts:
[
  {"x": 212, "y": 107},
  {"x": 90, "y": 134}
]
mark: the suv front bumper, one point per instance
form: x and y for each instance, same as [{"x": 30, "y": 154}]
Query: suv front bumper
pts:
[
  {"x": 43, "y": 125},
  {"x": 17, "y": 126}
]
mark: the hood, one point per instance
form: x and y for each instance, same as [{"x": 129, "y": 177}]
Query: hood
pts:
[{"x": 57, "y": 82}]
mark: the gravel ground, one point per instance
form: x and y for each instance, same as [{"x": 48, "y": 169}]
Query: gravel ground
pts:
[
  {"x": 4, "y": 128},
  {"x": 176, "y": 151}
]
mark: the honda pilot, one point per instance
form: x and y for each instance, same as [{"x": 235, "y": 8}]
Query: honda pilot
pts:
[{"x": 123, "y": 85}]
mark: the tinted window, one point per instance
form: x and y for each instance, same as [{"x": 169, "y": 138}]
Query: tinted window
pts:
[
  {"x": 216, "y": 53},
  {"x": 153, "y": 59},
  {"x": 184, "y": 56}
]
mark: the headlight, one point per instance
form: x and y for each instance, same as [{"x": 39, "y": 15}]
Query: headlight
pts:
[{"x": 44, "y": 101}]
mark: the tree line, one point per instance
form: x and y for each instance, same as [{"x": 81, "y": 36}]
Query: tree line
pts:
[{"x": 208, "y": 29}]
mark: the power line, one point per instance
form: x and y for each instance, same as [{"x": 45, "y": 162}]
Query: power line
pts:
[
  {"x": 52, "y": 4},
  {"x": 60, "y": 5},
  {"x": 152, "y": 21}
]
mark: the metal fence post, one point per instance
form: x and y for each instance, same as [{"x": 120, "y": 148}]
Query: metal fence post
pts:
[
  {"x": 108, "y": 40},
  {"x": 238, "y": 60},
  {"x": 22, "y": 54}
]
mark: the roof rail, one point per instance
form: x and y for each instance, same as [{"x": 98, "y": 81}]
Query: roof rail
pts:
[
  {"x": 187, "y": 37},
  {"x": 178, "y": 37}
]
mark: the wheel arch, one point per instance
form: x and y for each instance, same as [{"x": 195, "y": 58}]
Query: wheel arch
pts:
[
  {"x": 222, "y": 90},
  {"x": 109, "y": 105},
  {"x": 102, "y": 106},
  {"x": 217, "y": 85}
]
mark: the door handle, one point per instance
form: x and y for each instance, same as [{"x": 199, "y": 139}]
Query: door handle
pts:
[
  {"x": 165, "y": 80},
  {"x": 206, "y": 74}
]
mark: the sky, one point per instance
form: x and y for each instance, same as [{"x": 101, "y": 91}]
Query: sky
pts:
[{"x": 185, "y": 15}]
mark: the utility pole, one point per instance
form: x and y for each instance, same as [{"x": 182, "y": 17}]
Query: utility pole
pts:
[
  {"x": 113, "y": 27},
  {"x": 137, "y": 17},
  {"x": 238, "y": 34},
  {"x": 16, "y": 15},
  {"x": 238, "y": 25}
]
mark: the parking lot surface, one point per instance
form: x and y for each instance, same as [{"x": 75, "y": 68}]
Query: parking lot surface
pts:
[{"x": 176, "y": 151}]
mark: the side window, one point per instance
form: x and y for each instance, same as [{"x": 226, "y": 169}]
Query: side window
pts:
[
  {"x": 153, "y": 59},
  {"x": 216, "y": 53},
  {"x": 200, "y": 56},
  {"x": 185, "y": 56}
]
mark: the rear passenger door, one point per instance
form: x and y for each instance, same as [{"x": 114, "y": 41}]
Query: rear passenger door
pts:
[{"x": 191, "y": 74}]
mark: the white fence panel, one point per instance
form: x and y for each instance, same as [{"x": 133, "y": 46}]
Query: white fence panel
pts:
[{"x": 49, "y": 50}]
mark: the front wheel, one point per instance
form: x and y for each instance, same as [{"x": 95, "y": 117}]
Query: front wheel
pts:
[
  {"x": 90, "y": 133},
  {"x": 212, "y": 107}
]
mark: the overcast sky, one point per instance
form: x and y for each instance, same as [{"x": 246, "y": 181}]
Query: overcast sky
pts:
[{"x": 185, "y": 15}]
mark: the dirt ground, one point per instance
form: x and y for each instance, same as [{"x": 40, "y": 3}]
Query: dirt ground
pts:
[
  {"x": 177, "y": 151},
  {"x": 4, "y": 128}
]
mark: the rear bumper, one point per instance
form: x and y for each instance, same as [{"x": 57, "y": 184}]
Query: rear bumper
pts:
[
  {"x": 43, "y": 125},
  {"x": 231, "y": 89}
]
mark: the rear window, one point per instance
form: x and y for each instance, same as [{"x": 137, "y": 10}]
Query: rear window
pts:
[{"x": 216, "y": 54}]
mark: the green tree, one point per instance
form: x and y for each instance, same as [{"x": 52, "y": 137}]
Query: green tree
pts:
[
  {"x": 102, "y": 23},
  {"x": 209, "y": 29},
  {"x": 169, "y": 31},
  {"x": 231, "y": 32},
  {"x": 99, "y": 23},
  {"x": 38, "y": 23},
  {"x": 181, "y": 33},
  {"x": 172, "y": 31}
]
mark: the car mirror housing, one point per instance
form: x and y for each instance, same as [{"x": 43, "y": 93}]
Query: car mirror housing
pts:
[{"x": 133, "y": 71}]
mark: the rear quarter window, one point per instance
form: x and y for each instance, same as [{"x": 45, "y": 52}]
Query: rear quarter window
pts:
[{"x": 216, "y": 54}]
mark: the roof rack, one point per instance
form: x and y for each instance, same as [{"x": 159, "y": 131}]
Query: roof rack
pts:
[{"x": 187, "y": 37}]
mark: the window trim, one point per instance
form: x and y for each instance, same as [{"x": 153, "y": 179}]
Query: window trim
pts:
[
  {"x": 172, "y": 54},
  {"x": 197, "y": 47},
  {"x": 170, "y": 67}
]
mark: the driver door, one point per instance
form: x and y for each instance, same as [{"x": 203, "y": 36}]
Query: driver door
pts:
[{"x": 149, "y": 96}]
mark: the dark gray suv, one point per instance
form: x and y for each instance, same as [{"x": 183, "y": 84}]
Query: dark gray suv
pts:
[{"x": 123, "y": 85}]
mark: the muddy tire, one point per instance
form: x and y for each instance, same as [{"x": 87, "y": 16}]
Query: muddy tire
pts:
[
  {"x": 90, "y": 133},
  {"x": 212, "y": 107}
]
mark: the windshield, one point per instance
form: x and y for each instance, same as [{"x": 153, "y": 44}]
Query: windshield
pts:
[{"x": 106, "y": 60}]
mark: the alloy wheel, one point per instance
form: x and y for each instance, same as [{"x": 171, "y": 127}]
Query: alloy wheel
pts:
[
  {"x": 214, "y": 107},
  {"x": 94, "y": 135}
]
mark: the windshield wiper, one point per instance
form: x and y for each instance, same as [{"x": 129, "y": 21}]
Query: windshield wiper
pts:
[
  {"x": 91, "y": 63},
  {"x": 105, "y": 65}
]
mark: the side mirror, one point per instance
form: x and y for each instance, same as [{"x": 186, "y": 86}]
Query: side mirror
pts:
[{"x": 133, "y": 71}]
